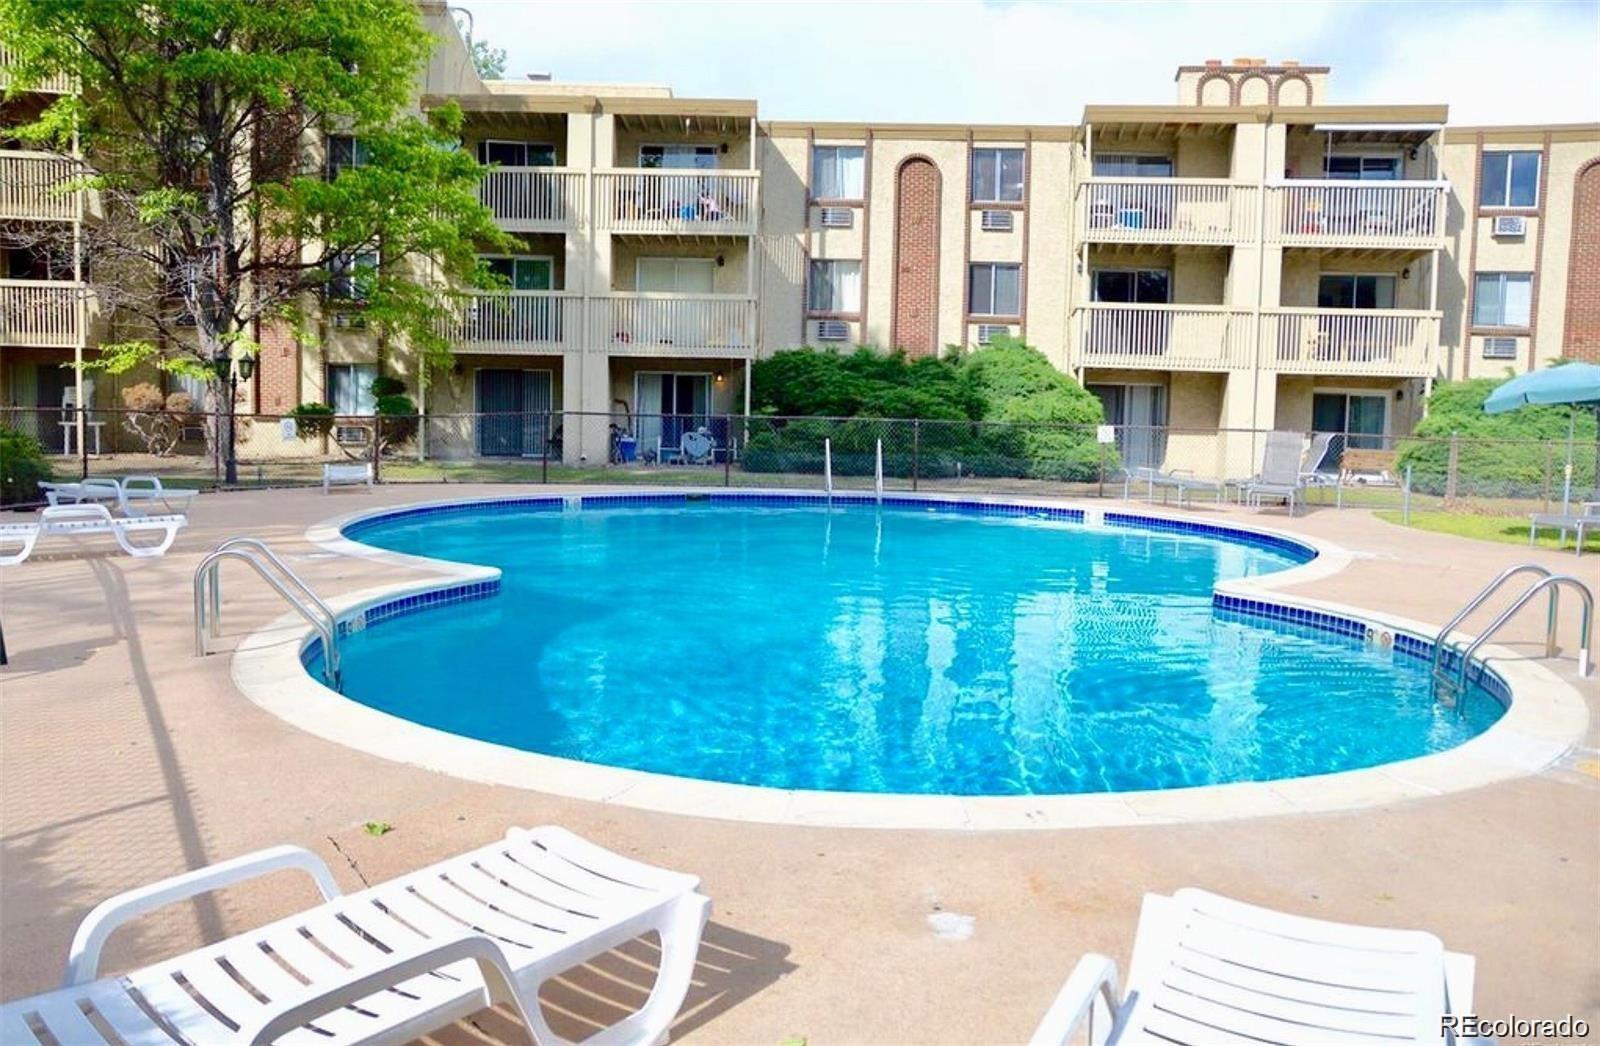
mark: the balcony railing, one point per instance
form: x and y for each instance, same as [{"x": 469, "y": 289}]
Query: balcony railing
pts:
[
  {"x": 1164, "y": 337},
  {"x": 534, "y": 199},
  {"x": 520, "y": 322},
  {"x": 1379, "y": 342},
  {"x": 61, "y": 84},
  {"x": 677, "y": 201},
  {"x": 29, "y": 187},
  {"x": 1167, "y": 210},
  {"x": 1356, "y": 214},
  {"x": 673, "y": 325},
  {"x": 42, "y": 314}
]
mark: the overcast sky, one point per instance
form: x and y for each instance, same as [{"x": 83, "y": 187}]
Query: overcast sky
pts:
[{"x": 1025, "y": 61}]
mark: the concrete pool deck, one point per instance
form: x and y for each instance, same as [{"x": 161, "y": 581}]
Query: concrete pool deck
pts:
[{"x": 123, "y": 758}]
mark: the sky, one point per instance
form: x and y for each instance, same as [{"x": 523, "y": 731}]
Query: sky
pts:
[{"x": 1029, "y": 61}]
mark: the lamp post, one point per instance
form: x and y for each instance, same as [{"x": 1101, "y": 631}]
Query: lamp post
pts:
[{"x": 230, "y": 375}]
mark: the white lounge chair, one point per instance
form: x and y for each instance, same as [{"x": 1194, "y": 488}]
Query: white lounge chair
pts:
[
  {"x": 346, "y": 474},
  {"x": 93, "y": 489},
  {"x": 1580, "y": 522},
  {"x": 130, "y": 495},
  {"x": 531, "y": 906},
  {"x": 1181, "y": 480},
  {"x": 1207, "y": 969},
  {"x": 84, "y": 519},
  {"x": 1280, "y": 472}
]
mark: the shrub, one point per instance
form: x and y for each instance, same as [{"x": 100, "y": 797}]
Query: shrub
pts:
[
  {"x": 397, "y": 418},
  {"x": 384, "y": 385},
  {"x": 22, "y": 467},
  {"x": 312, "y": 420}
]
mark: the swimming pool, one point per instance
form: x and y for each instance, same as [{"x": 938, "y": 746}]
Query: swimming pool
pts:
[{"x": 918, "y": 649}]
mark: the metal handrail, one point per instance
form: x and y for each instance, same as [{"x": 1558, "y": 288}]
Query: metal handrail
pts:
[
  {"x": 1553, "y": 582},
  {"x": 283, "y": 568},
  {"x": 1478, "y": 600},
  {"x": 207, "y": 597}
]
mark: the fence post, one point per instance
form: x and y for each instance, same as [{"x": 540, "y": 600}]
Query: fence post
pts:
[
  {"x": 81, "y": 423},
  {"x": 1405, "y": 499},
  {"x": 1453, "y": 468},
  {"x": 544, "y": 455},
  {"x": 377, "y": 448},
  {"x": 1549, "y": 464},
  {"x": 916, "y": 450},
  {"x": 727, "y": 452},
  {"x": 217, "y": 447}
]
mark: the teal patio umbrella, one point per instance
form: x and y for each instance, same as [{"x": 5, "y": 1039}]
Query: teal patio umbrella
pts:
[{"x": 1573, "y": 384}]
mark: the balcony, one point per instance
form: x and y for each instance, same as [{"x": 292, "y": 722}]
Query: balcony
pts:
[
  {"x": 1167, "y": 210},
  {"x": 1376, "y": 215},
  {"x": 55, "y": 85},
  {"x": 534, "y": 199},
  {"x": 1381, "y": 343},
  {"x": 29, "y": 187},
  {"x": 520, "y": 322},
  {"x": 641, "y": 324},
  {"x": 696, "y": 202},
  {"x": 1164, "y": 337},
  {"x": 41, "y": 314}
]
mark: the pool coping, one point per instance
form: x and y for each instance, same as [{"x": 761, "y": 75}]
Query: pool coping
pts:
[{"x": 1545, "y": 718}]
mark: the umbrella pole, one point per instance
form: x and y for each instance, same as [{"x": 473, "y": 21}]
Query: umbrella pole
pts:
[{"x": 1566, "y": 484}]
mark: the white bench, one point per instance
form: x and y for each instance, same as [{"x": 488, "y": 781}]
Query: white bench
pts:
[
  {"x": 346, "y": 474},
  {"x": 78, "y": 520}
]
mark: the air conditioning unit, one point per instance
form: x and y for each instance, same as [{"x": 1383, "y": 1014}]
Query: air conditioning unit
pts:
[
  {"x": 837, "y": 217},
  {"x": 833, "y": 330},
  {"x": 349, "y": 321},
  {"x": 987, "y": 332},
  {"x": 996, "y": 221},
  {"x": 1510, "y": 225},
  {"x": 352, "y": 435},
  {"x": 1499, "y": 348}
]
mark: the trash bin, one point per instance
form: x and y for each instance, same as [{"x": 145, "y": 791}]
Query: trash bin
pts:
[{"x": 627, "y": 449}]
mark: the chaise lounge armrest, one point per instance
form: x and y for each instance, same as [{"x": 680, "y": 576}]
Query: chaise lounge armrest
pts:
[{"x": 1093, "y": 982}]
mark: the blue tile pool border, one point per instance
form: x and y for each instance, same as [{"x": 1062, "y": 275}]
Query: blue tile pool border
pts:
[{"x": 1296, "y": 550}]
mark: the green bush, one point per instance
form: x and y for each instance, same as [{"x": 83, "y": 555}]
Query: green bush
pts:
[
  {"x": 1500, "y": 455},
  {"x": 22, "y": 467},
  {"x": 384, "y": 385},
  {"x": 397, "y": 418},
  {"x": 312, "y": 420}
]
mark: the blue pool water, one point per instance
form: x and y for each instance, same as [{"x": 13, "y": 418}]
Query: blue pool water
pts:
[{"x": 884, "y": 651}]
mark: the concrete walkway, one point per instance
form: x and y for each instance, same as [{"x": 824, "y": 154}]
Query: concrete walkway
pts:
[{"x": 123, "y": 758}]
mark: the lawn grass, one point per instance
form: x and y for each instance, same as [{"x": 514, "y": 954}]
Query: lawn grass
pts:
[{"x": 1511, "y": 530}]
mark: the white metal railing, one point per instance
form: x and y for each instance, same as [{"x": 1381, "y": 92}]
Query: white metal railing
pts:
[
  {"x": 41, "y": 313},
  {"x": 1398, "y": 342},
  {"x": 59, "y": 84},
  {"x": 1167, "y": 210},
  {"x": 1370, "y": 214},
  {"x": 517, "y": 321},
  {"x": 673, "y": 324},
  {"x": 1165, "y": 337},
  {"x": 534, "y": 198},
  {"x": 29, "y": 186},
  {"x": 710, "y": 201}
]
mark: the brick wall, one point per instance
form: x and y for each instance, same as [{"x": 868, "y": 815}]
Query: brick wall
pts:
[
  {"x": 916, "y": 284},
  {"x": 278, "y": 369},
  {"x": 1582, "y": 336}
]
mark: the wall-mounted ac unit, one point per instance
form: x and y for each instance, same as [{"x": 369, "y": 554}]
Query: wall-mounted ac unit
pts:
[
  {"x": 352, "y": 435},
  {"x": 1510, "y": 225},
  {"x": 837, "y": 217},
  {"x": 1499, "y": 348},
  {"x": 996, "y": 221},
  {"x": 987, "y": 332},
  {"x": 833, "y": 330}
]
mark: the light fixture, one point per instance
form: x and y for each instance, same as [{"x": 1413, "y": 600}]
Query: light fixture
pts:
[
  {"x": 247, "y": 367},
  {"x": 719, "y": 377},
  {"x": 1405, "y": 274}
]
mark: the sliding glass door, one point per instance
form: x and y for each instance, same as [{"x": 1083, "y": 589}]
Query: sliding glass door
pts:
[{"x": 513, "y": 410}]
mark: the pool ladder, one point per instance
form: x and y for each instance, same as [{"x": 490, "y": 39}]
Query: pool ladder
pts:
[
  {"x": 275, "y": 572},
  {"x": 1450, "y": 686}
]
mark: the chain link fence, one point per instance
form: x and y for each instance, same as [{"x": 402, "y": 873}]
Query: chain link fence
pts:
[{"x": 1340, "y": 469}]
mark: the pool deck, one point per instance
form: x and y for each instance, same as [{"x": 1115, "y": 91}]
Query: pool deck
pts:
[{"x": 123, "y": 758}]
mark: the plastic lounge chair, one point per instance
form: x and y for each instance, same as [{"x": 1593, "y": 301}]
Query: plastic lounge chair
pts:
[
  {"x": 139, "y": 490},
  {"x": 1180, "y": 480},
  {"x": 93, "y": 489},
  {"x": 1280, "y": 472},
  {"x": 21, "y": 535},
  {"x": 531, "y": 907},
  {"x": 1579, "y": 522},
  {"x": 1208, "y": 969},
  {"x": 83, "y": 519}
]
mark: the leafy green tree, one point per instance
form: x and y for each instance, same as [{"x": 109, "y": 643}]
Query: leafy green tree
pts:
[
  {"x": 490, "y": 61},
  {"x": 200, "y": 125}
]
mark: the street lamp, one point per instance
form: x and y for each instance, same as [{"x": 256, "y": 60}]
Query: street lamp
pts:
[{"x": 223, "y": 363}]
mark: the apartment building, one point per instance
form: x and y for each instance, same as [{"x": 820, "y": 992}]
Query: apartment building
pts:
[{"x": 1253, "y": 256}]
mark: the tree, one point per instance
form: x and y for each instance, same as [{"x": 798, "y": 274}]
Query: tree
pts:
[
  {"x": 490, "y": 61},
  {"x": 200, "y": 124}
]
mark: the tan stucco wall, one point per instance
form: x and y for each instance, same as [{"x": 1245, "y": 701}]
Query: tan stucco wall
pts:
[{"x": 731, "y": 277}]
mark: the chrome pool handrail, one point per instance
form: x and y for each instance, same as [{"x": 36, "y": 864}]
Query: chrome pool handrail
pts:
[
  {"x": 1478, "y": 600},
  {"x": 284, "y": 581}
]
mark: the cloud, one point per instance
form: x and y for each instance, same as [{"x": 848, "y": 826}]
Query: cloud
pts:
[{"x": 964, "y": 61}]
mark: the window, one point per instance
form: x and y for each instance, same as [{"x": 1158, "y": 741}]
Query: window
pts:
[
  {"x": 693, "y": 157},
  {"x": 1510, "y": 179},
  {"x": 1132, "y": 165},
  {"x": 344, "y": 151},
  {"x": 995, "y": 290},
  {"x": 350, "y": 275},
  {"x": 1340, "y": 291},
  {"x": 523, "y": 273},
  {"x": 517, "y": 154},
  {"x": 1133, "y": 286},
  {"x": 1360, "y": 420},
  {"x": 1362, "y": 168},
  {"x": 838, "y": 172},
  {"x": 997, "y": 175},
  {"x": 835, "y": 287},
  {"x": 350, "y": 388},
  {"x": 1502, "y": 299}
]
